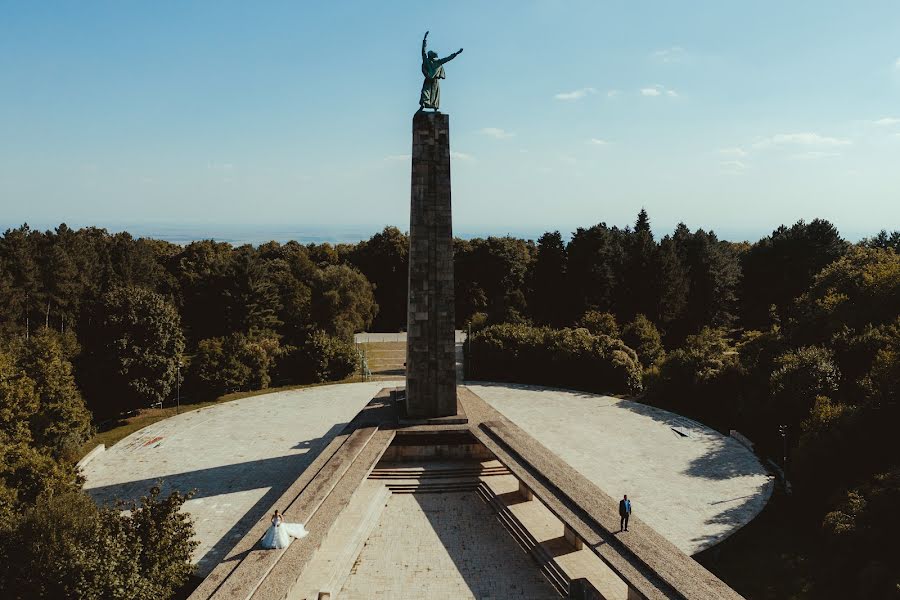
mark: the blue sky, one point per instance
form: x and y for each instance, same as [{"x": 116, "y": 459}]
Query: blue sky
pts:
[{"x": 731, "y": 116}]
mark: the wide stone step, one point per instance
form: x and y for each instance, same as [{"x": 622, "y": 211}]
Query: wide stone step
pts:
[
  {"x": 333, "y": 561},
  {"x": 254, "y": 572},
  {"x": 418, "y": 487},
  {"x": 546, "y": 563},
  {"x": 440, "y": 474}
]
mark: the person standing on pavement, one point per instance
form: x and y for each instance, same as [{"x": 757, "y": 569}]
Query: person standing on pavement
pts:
[{"x": 624, "y": 512}]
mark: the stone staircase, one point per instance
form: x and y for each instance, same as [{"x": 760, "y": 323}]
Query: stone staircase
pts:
[
  {"x": 324, "y": 490},
  {"x": 409, "y": 478},
  {"x": 332, "y": 562},
  {"x": 471, "y": 476},
  {"x": 545, "y": 561}
]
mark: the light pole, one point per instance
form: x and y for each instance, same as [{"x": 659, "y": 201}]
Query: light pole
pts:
[
  {"x": 178, "y": 387},
  {"x": 783, "y": 430}
]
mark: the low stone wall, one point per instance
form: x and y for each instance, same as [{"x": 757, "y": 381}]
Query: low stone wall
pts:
[
  {"x": 742, "y": 439},
  {"x": 98, "y": 449},
  {"x": 446, "y": 446},
  {"x": 581, "y": 589}
]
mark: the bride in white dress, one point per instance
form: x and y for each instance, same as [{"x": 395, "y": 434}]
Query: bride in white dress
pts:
[{"x": 280, "y": 533}]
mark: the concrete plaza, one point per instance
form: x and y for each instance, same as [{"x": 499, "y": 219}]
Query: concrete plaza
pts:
[
  {"x": 239, "y": 456},
  {"x": 689, "y": 482},
  {"x": 693, "y": 485}
]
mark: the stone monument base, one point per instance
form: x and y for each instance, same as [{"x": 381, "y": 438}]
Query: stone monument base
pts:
[
  {"x": 398, "y": 396},
  {"x": 385, "y": 503}
]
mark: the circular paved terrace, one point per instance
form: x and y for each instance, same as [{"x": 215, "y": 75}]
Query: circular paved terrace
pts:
[
  {"x": 689, "y": 482},
  {"x": 693, "y": 485}
]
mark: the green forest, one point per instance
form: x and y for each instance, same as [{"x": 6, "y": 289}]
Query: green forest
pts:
[{"x": 798, "y": 332}]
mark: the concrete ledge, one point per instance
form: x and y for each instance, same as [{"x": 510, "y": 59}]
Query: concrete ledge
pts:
[
  {"x": 650, "y": 565},
  {"x": 247, "y": 566},
  {"x": 98, "y": 449},
  {"x": 253, "y": 571},
  {"x": 679, "y": 571},
  {"x": 284, "y": 577},
  {"x": 742, "y": 439}
]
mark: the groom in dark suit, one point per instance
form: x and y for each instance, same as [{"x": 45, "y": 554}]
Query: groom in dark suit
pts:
[{"x": 624, "y": 512}]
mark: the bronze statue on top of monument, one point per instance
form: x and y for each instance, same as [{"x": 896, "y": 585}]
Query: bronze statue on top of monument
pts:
[{"x": 433, "y": 70}]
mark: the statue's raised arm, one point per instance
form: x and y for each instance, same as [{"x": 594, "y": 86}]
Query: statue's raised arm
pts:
[
  {"x": 451, "y": 57},
  {"x": 433, "y": 71}
]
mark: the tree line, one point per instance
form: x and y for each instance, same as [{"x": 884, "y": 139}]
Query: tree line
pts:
[{"x": 799, "y": 328}]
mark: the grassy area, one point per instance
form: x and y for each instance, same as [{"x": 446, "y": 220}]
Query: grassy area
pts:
[
  {"x": 770, "y": 558},
  {"x": 385, "y": 359},
  {"x": 129, "y": 425}
]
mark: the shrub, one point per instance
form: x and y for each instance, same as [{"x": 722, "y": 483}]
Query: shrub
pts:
[
  {"x": 643, "y": 336},
  {"x": 64, "y": 546},
  {"x": 572, "y": 358},
  {"x": 600, "y": 323},
  {"x": 695, "y": 378},
  {"x": 320, "y": 358},
  {"x": 234, "y": 362}
]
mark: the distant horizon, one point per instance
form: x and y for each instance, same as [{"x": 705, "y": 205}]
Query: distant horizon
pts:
[
  {"x": 561, "y": 113},
  {"x": 238, "y": 234}
]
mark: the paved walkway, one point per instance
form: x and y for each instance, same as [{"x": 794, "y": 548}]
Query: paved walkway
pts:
[
  {"x": 240, "y": 456},
  {"x": 690, "y": 483},
  {"x": 442, "y": 546}
]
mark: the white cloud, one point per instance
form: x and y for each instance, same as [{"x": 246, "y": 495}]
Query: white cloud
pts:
[
  {"x": 461, "y": 155},
  {"x": 801, "y": 139},
  {"x": 734, "y": 166},
  {"x": 575, "y": 94},
  {"x": 216, "y": 166},
  {"x": 496, "y": 133},
  {"x": 398, "y": 157},
  {"x": 597, "y": 142},
  {"x": 813, "y": 155},
  {"x": 897, "y": 63},
  {"x": 886, "y": 121},
  {"x": 658, "y": 90},
  {"x": 613, "y": 93},
  {"x": 674, "y": 54},
  {"x": 733, "y": 152}
]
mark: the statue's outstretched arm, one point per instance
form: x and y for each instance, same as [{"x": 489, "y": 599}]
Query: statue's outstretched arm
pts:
[
  {"x": 451, "y": 57},
  {"x": 424, "y": 41}
]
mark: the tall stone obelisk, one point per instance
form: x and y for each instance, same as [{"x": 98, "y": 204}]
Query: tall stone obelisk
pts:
[{"x": 430, "y": 341}]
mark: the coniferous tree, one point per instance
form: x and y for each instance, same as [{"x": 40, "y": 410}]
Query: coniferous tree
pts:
[
  {"x": 672, "y": 284},
  {"x": 548, "y": 299},
  {"x": 780, "y": 267},
  {"x": 596, "y": 265},
  {"x": 640, "y": 285},
  {"x": 16, "y": 250},
  {"x": 61, "y": 423}
]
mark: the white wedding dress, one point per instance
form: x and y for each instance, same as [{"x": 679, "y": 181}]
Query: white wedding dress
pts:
[{"x": 280, "y": 533}]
